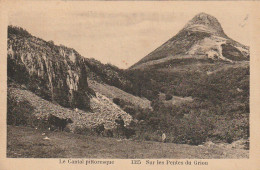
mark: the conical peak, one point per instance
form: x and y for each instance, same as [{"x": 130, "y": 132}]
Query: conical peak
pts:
[
  {"x": 206, "y": 23},
  {"x": 205, "y": 19}
]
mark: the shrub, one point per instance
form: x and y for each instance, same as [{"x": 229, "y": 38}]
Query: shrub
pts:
[
  {"x": 130, "y": 110},
  {"x": 191, "y": 132},
  {"x": 147, "y": 137},
  {"x": 84, "y": 131},
  {"x": 108, "y": 133},
  {"x": 19, "y": 112},
  {"x": 116, "y": 101},
  {"x": 129, "y": 132},
  {"x": 230, "y": 130},
  {"x": 154, "y": 121},
  {"x": 51, "y": 42},
  {"x": 99, "y": 129},
  {"x": 17, "y": 72},
  {"x": 142, "y": 115},
  {"x": 157, "y": 104},
  {"x": 145, "y": 133},
  {"x": 168, "y": 97},
  {"x": 81, "y": 100},
  {"x": 18, "y": 31}
]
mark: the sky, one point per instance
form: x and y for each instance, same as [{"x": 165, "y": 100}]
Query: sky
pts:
[{"x": 121, "y": 33}]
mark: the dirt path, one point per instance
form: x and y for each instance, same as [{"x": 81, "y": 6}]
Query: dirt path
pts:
[{"x": 27, "y": 142}]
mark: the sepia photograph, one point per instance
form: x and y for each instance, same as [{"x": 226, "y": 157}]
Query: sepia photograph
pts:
[{"x": 161, "y": 81}]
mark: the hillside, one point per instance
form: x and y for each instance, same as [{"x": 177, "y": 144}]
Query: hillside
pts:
[
  {"x": 183, "y": 65},
  {"x": 60, "y": 74},
  {"x": 103, "y": 110},
  {"x": 108, "y": 74},
  {"x": 54, "y": 80},
  {"x": 113, "y": 83},
  {"x": 202, "y": 64}
]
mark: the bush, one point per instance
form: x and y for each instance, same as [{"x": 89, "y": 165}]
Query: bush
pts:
[
  {"x": 116, "y": 101},
  {"x": 108, "y": 133},
  {"x": 19, "y": 112},
  {"x": 130, "y": 110},
  {"x": 157, "y": 104},
  {"x": 168, "y": 97},
  {"x": 81, "y": 100},
  {"x": 99, "y": 129},
  {"x": 142, "y": 115},
  {"x": 17, "y": 72},
  {"x": 191, "y": 131},
  {"x": 230, "y": 130},
  {"x": 193, "y": 128},
  {"x": 51, "y": 42},
  {"x": 84, "y": 131},
  {"x": 18, "y": 31},
  {"x": 154, "y": 121},
  {"x": 144, "y": 132}
]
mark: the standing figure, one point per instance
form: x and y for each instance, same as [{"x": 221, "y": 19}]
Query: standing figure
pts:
[{"x": 164, "y": 138}]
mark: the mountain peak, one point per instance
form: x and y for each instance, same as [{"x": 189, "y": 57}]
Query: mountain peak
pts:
[
  {"x": 202, "y": 36},
  {"x": 205, "y": 23}
]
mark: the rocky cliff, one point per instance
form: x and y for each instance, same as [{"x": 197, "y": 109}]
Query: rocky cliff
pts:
[{"x": 55, "y": 73}]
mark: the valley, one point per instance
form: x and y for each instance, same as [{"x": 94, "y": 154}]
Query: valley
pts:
[{"x": 194, "y": 88}]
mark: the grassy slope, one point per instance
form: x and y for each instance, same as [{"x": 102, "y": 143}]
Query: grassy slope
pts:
[
  {"x": 220, "y": 110},
  {"x": 28, "y": 142},
  {"x": 114, "y": 92},
  {"x": 178, "y": 44}
]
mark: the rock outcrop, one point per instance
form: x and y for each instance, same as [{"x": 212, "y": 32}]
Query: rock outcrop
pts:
[{"x": 55, "y": 73}]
